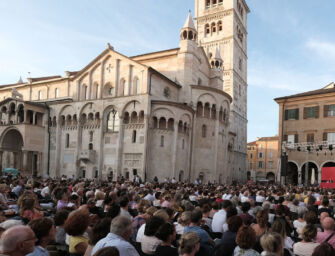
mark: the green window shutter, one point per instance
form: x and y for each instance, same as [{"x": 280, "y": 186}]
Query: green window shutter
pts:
[
  {"x": 317, "y": 110},
  {"x": 325, "y": 136},
  {"x": 305, "y": 113},
  {"x": 325, "y": 110},
  {"x": 297, "y": 114}
]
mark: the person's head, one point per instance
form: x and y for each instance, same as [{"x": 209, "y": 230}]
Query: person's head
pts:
[
  {"x": 262, "y": 218},
  {"x": 184, "y": 219},
  {"x": 107, "y": 251},
  {"x": 280, "y": 210},
  {"x": 279, "y": 226},
  {"x": 309, "y": 233},
  {"x": 27, "y": 203},
  {"x": 113, "y": 211},
  {"x": 231, "y": 211},
  {"x": 246, "y": 237},
  {"x": 311, "y": 217},
  {"x": 153, "y": 225},
  {"x": 121, "y": 226},
  {"x": 44, "y": 230},
  {"x": 60, "y": 217},
  {"x": 196, "y": 216},
  {"x": 77, "y": 223},
  {"x": 328, "y": 224},
  {"x": 19, "y": 239},
  {"x": 162, "y": 214},
  {"x": 301, "y": 211},
  {"x": 189, "y": 243},
  {"x": 325, "y": 201},
  {"x": 99, "y": 230},
  {"x": 245, "y": 207},
  {"x": 166, "y": 232},
  {"x": 324, "y": 249},
  {"x": 323, "y": 215},
  {"x": 234, "y": 223},
  {"x": 142, "y": 206},
  {"x": 226, "y": 204},
  {"x": 99, "y": 195},
  {"x": 124, "y": 202},
  {"x": 272, "y": 243}
]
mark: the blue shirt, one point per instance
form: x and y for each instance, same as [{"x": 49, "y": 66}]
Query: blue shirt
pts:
[
  {"x": 39, "y": 251},
  {"x": 203, "y": 235},
  {"x": 124, "y": 247}
]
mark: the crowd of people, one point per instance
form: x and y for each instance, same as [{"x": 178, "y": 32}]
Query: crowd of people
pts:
[{"x": 42, "y": 217}]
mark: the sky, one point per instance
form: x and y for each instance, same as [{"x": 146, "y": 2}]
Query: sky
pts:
[{"x": 291, "y": 47}]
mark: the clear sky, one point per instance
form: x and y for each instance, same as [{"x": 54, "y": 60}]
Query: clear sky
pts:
[{"x": 291, "y": 44}]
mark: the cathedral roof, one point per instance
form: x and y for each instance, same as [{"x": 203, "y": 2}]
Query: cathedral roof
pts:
[{"x": 189, "y": 22}]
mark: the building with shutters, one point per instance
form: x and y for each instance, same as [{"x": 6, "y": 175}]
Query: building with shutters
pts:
[
  {"x": 263, "y": 159},
  {"x": 165, "y": 114},
  {"x": 306, "y": 134}
]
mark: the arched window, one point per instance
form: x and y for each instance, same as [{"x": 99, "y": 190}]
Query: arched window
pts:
[
  {"x": 67, "y": 140},
  {"x": 133, "y": 139},
  {"x": 208, "y": 3},
  {"x": 214, "y": 2},
  {"x": 162, "y": 141},
  {"x": 56, "y": 93},
  {"x": 91, "y": 136},
  {"x": 204, "y": 131},
  {"x": 40, "y": 95},
  {"x": 213, "y": 27},
  {"x": 90, "y": 146},
  {"x": 220, "y": 25},
  {"x": 113, "y": 121},
  {"x": 111, "y": 91},
  {"x": 207, "y": 29},
  {"x": 125, "y": 88},
  {"x": 131, "y": 88},
  {"x": 85, "y": 92},
  {"x": 220, "y": 2},
  {"x": 137, "y": 86}
]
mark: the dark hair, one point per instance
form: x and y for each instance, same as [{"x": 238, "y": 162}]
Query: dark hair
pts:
[
  {"x": 153, "y": 225},
  {"x": 246, "y": 237},
  {"x": 157, "y": 195},
  {"x": 113, "y": 211},
  {"x": 234, "y": 223},
  {"x": 165, "y": 231},
  {"x": 99, "y": 230},
  {"x": 231, "y": 211},
  {"x": 196, "y": 216},
  {"x": 245, "y": 206},
  {"x": 226, "y": 204},
  {"x": 309, "y": 233},
  {"x": 325, "y": 201},
  {"x": 215, "y": 206},
  {"x": 41, "y": 228},
  {"x": 74, "y": 197},
  {"x": 124, "y": 201},
  {"x": 311, "y": 217},
  {"x": 107, "y": 251},
  {"x": 280, "y": 210},
  {"x": 60, "y": 217},
  {"x": 324, "y": 249},
  {"x": 77, "y": 223}
]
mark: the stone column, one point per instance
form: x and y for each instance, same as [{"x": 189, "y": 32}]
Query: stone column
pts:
[
  {"x": 1, "y": 153},
  {"x": 319, "y": 172},
  {"x": 34, "y": 117},
  {"x": 217, "y": 127},
  {"x": 119, "y": 155},
  {"x": 24, "y": 160},
  {"x": 306, "y": 175},
  {"x": 174, "y": 148},
  {"x": 146, "y": 146},
  {"x": 299, "y": 176}
]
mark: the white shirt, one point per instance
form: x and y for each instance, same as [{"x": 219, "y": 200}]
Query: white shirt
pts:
[
  {"x": 260, "y": 199},
  {"x": 45, "y": 190},
  {"x": 219, "y": 219},
  {"x": 149, "y": 197},
  {"x": 124, "y": 247},
  {"x": 140, "y": 233}
]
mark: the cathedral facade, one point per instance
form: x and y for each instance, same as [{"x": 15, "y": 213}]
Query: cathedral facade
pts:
[{"x": 175, "y": 113}]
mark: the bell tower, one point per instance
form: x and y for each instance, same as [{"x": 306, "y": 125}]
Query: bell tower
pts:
[{"x": 222, "y": 24}]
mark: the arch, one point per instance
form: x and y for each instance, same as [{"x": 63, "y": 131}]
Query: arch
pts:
[
  {"x": 40, "y": 95},
  {"x": 20, "y": 113},
  {"x": 207, "y": 97},
  {"x": 68, "y": 120},
  {"x": 163, "y": 112},
  {"x": 162, "y": 123},
  {"x": 62, "y": 121},
  {"x": 155, "y": 122},
  {"x": 97, "y": 116},
  {"x": 200, "y": 109},
  {"x": 74, "y": 120},
  {"x": 180, "y": 126},
  {"x": 292, "y": 173},
  {"x": 113, "y": 121},
  {"x": 126, "y": 118},
  {"x": 130, "y": 106},
  {"x": 90, "y": 117},
  {"x": 12, "y": 140},
  {"x": 207, "y": 110},
  {"x": 171, "y": 124},
  {"x": 184, "y": 37},
  {"x": 109, "y": 90},
  {"x": 213, "y": 27},
  {"x": 213, "y": 112},
  {"x": 307, "y": 172},
  {"x": 190, "y": 35},
  {"x": 134, "y": 117},
  {"x": 185, "y": 128},
  {"x": 54, "y": 121},
  {"x": 207, "y": 29},
  {"x": 66, "y": 110},
  {"x": 328, "y": 163},
  {"x": 220, "y": 27},
  {"x": 84, "y": 95},
  {"x": 270, "y": 176},
  {"x": 141, "y": 117}
]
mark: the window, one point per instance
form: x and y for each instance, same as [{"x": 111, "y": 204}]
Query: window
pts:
[
  {"x": 56, "y": 93},
  {"x": 67, "y": 140},
  {"x": 310, "y": 137},
  {"x": 208, "y": 3},
  {"x": 125, "y": 88},
  {"x": 162, "y": 141},
  {"x": 331, "y": 137},
  {"x": 311, "y": 112},
  {"x": 133, "y": 139},
  {"x": 291, "y": 139},
  {"x": 40, "y": 95},
  {"x": 85, "y": 92},
  {"x": 271, "y": 165},
  {"x": 270, "y": 155},
  {"x": 213, "y": 27},
  {"x": 207, "y": 29},
  {"x": 137, "y": 85},
  {"x": 204, "y": 131},
  {"x": 220, "y": 2},
  {"x": 111, "y": 90},
  {"x": 113, "y": 121},
  {"x": 260, "y": 146},
  {"x": 183, "y": 144},
  {"x": 96, "y": 174},
  {"x": 250, "y": 166},
  {"x": 90, "y": 146},
  {"x": 329, "y": 110},
  {"x": 292, "y": 114},
  {"x": 251, "y": 156},
  {"x": 260, "y": 164},
  {"x": 220, "y": 25},
  {"x": 214, "y": 2},
  {"x": 91, "y": 136},
  {"x": 260, "y": 155}
]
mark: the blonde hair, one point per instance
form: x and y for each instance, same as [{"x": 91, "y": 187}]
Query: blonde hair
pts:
[
  {"x": 188, "y": 242},
  {"x": 272, "y": 242},
  {"x": 162, "y": 214}
]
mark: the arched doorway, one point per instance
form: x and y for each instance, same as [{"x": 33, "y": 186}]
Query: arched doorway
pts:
[
  {"x": 292, "y": 173},
  {"x": 270, "y": 176},
  {"x": 306, "y": 173},
  {"x": 11, "y": 150},
  {"x": 329, "y": 164},
  {"x": 82, "y": 173},
  {"x": 201, "y": 177}
]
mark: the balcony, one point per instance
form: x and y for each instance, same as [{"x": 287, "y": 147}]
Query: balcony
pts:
[{"x": 87, "y": 155}]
